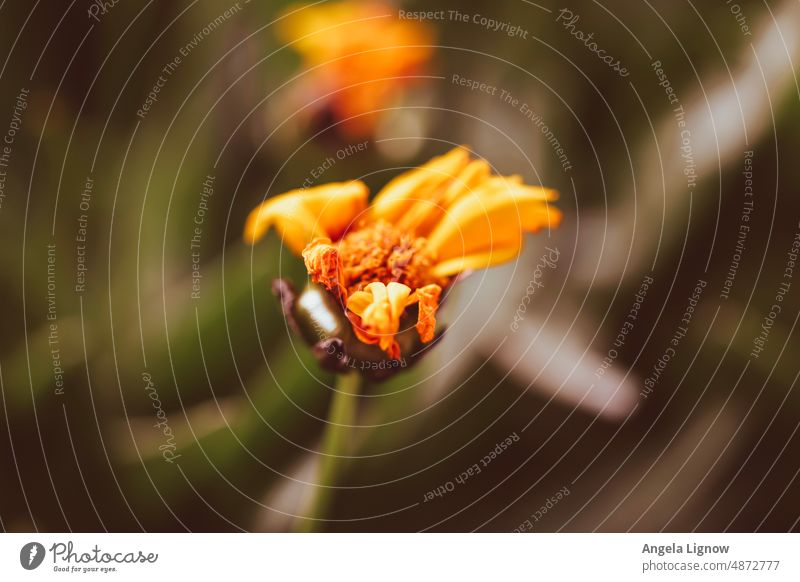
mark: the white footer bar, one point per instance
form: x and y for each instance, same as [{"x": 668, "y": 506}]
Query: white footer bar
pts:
[{"x": 355, "y": 557}]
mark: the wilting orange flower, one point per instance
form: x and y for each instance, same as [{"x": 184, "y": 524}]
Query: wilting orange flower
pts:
[
  {"x": 360, "y": 52},
  {"x": 423, "y": 228}
]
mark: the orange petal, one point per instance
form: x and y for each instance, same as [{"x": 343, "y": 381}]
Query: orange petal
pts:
[
  {"x": 488, "y": 223},
  {"x": 359, "y": 301},
  {"x": 470, "y": 178},
  {"x": 425, "y": 213},
  {"x": 322, "y": 263},
  {"x": 376, "y": 314},
  {"x": 475, "y": 261},
  {"x": 300, "y": 216},
  {"x": 420, "y": 184},
  {"x": 428, "y": 298}
]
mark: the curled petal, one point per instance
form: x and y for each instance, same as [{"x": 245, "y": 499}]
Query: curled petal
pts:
[
  {"x": 426, "y": 212},
  {"x": 300, "y": 216},
  {"x": 485, "y": 227},
  {"x": 375, "y": 313},
  {"x": 428, "y": 299},
  {"x": 324, "y": 267},
  {"x": 418, "y": 186},
  {"x": 359, "y": 301},
  {"x": 475, "y": 174}
]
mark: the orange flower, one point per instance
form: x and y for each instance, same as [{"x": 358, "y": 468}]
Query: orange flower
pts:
[
  {"x": 360, "y": 52},
  {"x": 422, "y": 229}
]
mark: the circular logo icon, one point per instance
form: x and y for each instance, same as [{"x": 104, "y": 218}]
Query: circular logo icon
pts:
[{"x": 31, "y": 555}]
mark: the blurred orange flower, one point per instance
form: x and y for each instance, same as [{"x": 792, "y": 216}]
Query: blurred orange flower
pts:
[
  {"x": 360, "y": 56},
  {"x": 423, "y": 228}
]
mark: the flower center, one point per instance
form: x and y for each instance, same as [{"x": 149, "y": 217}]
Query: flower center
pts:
[{"x": 380, "y": 252}]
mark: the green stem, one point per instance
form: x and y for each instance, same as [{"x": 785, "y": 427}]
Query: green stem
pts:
[{"x": 336, "y": 444}]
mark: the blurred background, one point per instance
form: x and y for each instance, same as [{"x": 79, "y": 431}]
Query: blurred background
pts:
[{"x": 639, "y": 365}]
